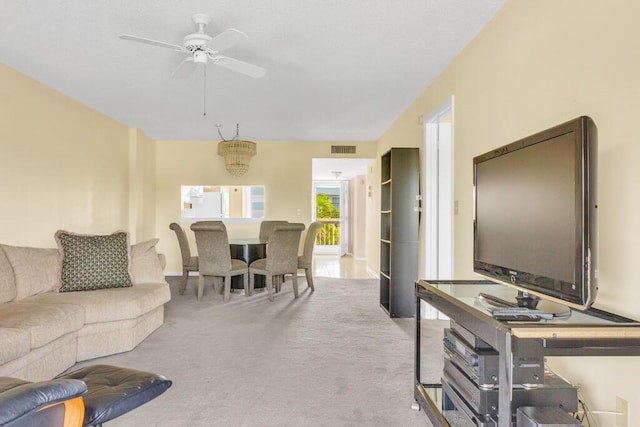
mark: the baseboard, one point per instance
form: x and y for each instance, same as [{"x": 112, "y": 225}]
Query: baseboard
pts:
[{"x": 179, "y": 273}]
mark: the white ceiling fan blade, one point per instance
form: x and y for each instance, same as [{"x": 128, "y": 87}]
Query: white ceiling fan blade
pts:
[
  {"x": 185, "y": 69},
  {"x": 151, "y": 42},
  {"x": 240, "y": 66},
  {"x": 226, "y": 39}
]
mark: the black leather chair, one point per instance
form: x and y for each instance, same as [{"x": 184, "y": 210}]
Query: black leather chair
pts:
[
  {"x": 89, "y": 396},
  {"x": 113, "y": 391},
  {"x": 54, "y": 403}
]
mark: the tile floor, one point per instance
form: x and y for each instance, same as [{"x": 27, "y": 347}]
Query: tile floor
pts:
[{"x": 345, "y": 267}]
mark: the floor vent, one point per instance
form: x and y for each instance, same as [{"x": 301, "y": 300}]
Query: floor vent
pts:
[{"x": 343, "y": 149}]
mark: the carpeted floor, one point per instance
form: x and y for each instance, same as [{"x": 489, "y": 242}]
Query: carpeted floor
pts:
[{"x": 329, "y": 358}]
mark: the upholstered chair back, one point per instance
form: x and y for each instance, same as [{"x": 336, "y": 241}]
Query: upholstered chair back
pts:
[
  {"x": 282, "y": 249},
  {"x": 189, "y": 263},
  {"x": 266, "y": 228},
  {"x": 214, "y": 256},
  {"x": 309, "y": 243},
  {"x": 185, "y": 251}
]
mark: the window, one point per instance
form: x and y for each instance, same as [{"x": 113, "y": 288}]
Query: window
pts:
[{"x": 222, "y": 201}]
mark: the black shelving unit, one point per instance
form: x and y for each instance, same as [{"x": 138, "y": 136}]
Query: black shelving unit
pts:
[{"x": 399, "y": 219}]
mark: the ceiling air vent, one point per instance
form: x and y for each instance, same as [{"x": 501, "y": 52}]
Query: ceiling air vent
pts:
[{"x": 343, "y": 149}]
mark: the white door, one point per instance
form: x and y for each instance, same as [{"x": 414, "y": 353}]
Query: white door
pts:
[
  {"x": 344, "y": 218},
  {"x": 437, "y": 182}
]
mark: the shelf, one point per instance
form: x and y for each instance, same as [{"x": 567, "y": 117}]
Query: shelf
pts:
[
  {"x": 386, "y": 167},
  {"x": 385, "y": 197},
  {"x": 384, "y": 291},
  {"x": 385, "y": 226},
  {"x": 385, "y": 250}
]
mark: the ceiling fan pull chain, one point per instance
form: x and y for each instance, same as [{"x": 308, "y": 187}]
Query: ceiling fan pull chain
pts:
[{"x": 204, "y": 92}]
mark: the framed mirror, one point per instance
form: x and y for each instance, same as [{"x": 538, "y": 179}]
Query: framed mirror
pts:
[{"x": 211, "y": 202}]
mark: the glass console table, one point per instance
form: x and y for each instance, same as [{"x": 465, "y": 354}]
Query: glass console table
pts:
[{"x": 591, "y": 332}]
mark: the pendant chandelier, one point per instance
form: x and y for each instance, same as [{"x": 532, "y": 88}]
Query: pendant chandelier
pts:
[{"x": 236, "y": 152}]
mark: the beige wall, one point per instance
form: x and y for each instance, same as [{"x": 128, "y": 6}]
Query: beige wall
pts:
[
  {"x": 284, "y": 168},
  {"x": 538, "y": 64},
  {"x": 62, "y": 165},
  {"x": 235, "y": 202},
  {"x": 358, "y": 216},
  {"x": 372, "y": 240},
  {"x": 142, "y": 186}
]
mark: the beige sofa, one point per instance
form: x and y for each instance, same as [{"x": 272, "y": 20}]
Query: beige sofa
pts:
[{"x": 43, "y": 332}]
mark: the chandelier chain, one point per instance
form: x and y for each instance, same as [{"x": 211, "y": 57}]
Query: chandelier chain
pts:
[{"x": 235, "y": 138}]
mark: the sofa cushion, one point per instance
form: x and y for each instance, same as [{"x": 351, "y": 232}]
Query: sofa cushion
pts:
[
  {"x": 92, "y": 262},
  {"x": 44, "y": 322},
  {"x": 146, "y": 266},
  {"x": 7, "y": 281},
  {"x": 106, "y": 305},
  {"x": 35, "y": 270},
  {"x": 14, "y": 343}
]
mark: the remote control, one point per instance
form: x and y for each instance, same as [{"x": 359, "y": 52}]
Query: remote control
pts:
[
  {"x": 515, "y": 311},
  {"x": 517, "y": 317}
]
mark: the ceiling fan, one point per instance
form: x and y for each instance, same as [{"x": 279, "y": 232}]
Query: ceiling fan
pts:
[{"x": 202, "y": 48}]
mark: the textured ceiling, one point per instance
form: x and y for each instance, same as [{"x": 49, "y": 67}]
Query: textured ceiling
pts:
[{"x": 338, "y": 70}]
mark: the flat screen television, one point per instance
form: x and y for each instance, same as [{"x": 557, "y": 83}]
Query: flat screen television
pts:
[{"x": 535, "y": 221}]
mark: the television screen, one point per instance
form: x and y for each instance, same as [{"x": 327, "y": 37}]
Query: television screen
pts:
[{"x": 535, "y": 222}]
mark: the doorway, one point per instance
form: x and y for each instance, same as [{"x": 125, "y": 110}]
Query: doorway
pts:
[
  {"x": 343, "y": 181},
  {"x": 330, "y": 210},
  {"x": 437, "y": 183}
]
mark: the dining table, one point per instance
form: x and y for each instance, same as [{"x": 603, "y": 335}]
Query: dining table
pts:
[{"x": 248, "y": 250}]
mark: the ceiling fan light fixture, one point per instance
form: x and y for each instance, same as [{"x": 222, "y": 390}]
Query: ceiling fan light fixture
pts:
[
  {"x": 199, "y": 57},
  {"x": 237, "y": 153}
]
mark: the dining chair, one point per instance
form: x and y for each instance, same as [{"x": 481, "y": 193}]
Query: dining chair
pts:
[
  {"x": 282, "y": 257},
  {"x": 266, "y": 227},
  {"x": 189, "y": 263},
  {"x": 305, "y": 260},
  {"x": 214, "y": 256}
]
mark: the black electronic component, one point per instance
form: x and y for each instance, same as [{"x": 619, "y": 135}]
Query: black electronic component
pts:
[
  {"x": 481, "y": 365},
  {"x": 546, "y": 416},
  {"x": 554, "y": 392}
]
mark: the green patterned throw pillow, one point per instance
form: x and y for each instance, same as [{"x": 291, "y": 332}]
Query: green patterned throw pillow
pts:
[{"x": 91, "y": 262}]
